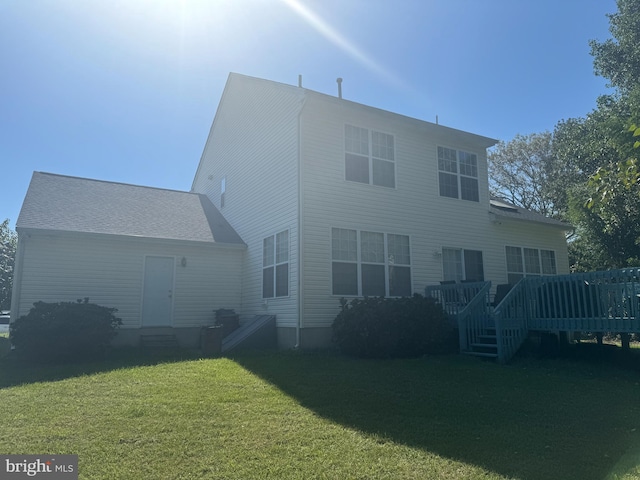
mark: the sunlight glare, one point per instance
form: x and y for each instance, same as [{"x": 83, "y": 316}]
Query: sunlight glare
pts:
[{"x": 339, "y": 40}]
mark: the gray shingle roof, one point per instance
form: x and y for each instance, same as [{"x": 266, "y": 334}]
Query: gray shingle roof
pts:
[
  {"x": 504, "y": 209},
  {"x": 58, "y": 202}
]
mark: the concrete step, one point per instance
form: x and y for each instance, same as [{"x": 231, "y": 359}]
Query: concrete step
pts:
[
  {"x": 482, "y": 354},
  {"x": 159, "y": 341}
]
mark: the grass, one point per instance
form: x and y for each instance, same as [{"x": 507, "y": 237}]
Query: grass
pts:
[{"x": 300, "y": 416}]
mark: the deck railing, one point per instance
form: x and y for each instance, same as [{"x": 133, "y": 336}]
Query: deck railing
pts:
[
  {"x": 607, "y": 301},
  {"x": 467, "y": 304},
  {"x": 510, "y": 317},
  {"x": 454, "y": 297},
  {"x": 475, "y": 318},
  {"x": 598, "y": 302}
]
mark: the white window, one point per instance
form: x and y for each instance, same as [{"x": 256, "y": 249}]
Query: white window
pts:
[
  {"x": 462, "y": 265},
  {"x": 369, "y": 156},
  {"x": 275, "y": 265},
  {"x": 523, "y": 262},
  {"x": 370, "y": 263},
  {"x": 458, "y": 174},
  {"x": 223, "y": 190}
]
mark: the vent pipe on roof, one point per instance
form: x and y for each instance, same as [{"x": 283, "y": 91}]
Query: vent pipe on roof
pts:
[
  {"x": 300, "y": 81},
  {"x": 339, "y": 80}
]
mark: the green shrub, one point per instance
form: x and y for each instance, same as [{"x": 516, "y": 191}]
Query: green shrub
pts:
[
  {"x": 64, "y": 331},
  {"x": 393, "y": 327}
]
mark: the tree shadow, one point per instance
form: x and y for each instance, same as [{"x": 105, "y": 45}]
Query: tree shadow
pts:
[
  {"x": 534, "y": 419},
  {"x": 16, "y": 371}
]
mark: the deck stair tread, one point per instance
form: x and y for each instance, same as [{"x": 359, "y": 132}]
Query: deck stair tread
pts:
[
  {"x": 483, "y": 345},
  {"x": 492, "y": 338}
]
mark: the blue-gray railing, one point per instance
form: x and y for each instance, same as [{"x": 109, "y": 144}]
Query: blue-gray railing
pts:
[
  {"x": 510, "y": 318},
  {"x": 468, "y": 306},
  {"x": 606, "y": 301},
  {"x": 474, "y": 320}
]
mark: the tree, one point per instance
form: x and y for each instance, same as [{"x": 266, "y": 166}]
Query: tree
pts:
[
  {"x": 523, "y": 171},
  {"x": 618, "y": 59},
  {"x": 8, "y": 245},
  {"x": 602, "y": 193},
  {"x": 604, "y": 196}
]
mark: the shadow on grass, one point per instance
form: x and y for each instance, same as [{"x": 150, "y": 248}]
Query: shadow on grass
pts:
[
  {"x": 15, "y": 371},
  {"x": 533, "y": 419}
]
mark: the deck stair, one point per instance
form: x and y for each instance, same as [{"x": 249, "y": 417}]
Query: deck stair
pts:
[
  {"x": 486, "y": 345},
  {"x": 607, "y": 301}
]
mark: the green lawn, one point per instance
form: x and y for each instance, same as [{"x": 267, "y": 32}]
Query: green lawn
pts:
[{"x": 308, "y": 416}]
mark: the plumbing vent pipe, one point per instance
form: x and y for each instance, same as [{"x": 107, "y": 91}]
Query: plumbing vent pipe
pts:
[{"x": 339, "y": 80}]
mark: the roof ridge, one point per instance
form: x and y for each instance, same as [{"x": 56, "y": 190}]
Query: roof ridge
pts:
[{"x": 112, "y": 182}]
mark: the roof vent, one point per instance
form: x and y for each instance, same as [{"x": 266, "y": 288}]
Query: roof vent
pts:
[{"x": 339, "y": 80}]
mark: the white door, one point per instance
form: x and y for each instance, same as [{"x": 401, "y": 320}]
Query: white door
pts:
[{"x": 157, "y": 295}]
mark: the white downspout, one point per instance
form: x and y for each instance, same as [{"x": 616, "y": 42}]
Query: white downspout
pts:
[{"x": 300, "y": 231}]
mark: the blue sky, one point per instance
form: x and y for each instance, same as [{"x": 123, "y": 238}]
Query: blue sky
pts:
[{"x": 126, "y": 90}]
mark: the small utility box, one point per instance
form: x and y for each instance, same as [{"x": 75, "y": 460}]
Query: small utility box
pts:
[
  {"x": 228, "y": 320},
  {"x": 211, "y": 341}
]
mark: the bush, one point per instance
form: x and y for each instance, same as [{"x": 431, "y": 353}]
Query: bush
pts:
[
  {"x": 393, "y": 327},
  {"x": 64, "y": 331}
]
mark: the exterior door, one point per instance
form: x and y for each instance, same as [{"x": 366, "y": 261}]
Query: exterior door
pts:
[{"x": 157, "y": 295}]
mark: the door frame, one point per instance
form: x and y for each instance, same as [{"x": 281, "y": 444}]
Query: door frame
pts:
[{"x": 173, "y": 290}]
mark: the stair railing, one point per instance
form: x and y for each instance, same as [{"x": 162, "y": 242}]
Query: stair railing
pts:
[
  {"x": 475, "y": 318},
  {"x": 510, "y": 317}
]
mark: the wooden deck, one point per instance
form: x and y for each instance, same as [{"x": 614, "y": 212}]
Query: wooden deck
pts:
[{"x": 596, "y": 302}]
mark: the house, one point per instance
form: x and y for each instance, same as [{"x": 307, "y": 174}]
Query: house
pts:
[
  {"x": 300, "y": 199},
  {"x": 165, "y": 259}
]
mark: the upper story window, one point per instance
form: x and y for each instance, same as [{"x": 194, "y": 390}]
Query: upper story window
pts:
[
  {"x": 275, "y": 265},
  {"x": 523, "y": 262},
  {"x": 458, "y": 174},
  {"x": 223, "y": 190},
  {"x": 369, "y": 156}
]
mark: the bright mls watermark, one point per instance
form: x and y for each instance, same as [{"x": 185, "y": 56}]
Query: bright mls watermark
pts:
[{"x": 50, "y": 467}]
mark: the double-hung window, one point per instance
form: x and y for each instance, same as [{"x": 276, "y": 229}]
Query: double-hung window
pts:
[
  {"x": 369, "y": 156},
  {"x": 459, "y": 265},
  {"x": 458, "y": 174},
  {"x": 523, "y": 262},
  {"x": 370, "y": 263},
  {"x": 275, "y": 265}
]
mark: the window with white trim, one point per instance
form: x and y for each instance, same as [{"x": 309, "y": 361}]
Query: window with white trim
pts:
[
  {"x": 223, "y": 190},
  {"x": 458, "y": 174},
  {"x": 462, "y": 265},
  {"x": 369, "y": 156},
  {"x": 370, "y": 264},
  {"x": 275, "y": 265},
  {"x": 522, "y": 262}
]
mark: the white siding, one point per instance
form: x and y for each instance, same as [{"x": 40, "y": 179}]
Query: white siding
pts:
[
  {"x": 253, "y": 144},
  {"x": 109, "y": 270},
  {"x": 413, "y": 208}
]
